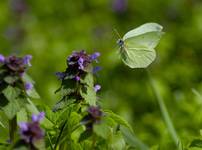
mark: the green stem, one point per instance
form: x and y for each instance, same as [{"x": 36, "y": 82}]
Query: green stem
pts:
[
  {"x": 165, "y": 113},
  {"x": 58, "y": 138},
  {"x": 49, "y": 139},
  {"x": 94, "y": 141},
  {"x": 12, "y": 128}
]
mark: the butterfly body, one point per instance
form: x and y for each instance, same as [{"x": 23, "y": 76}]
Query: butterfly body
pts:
[{"x": 137, "y": 46}]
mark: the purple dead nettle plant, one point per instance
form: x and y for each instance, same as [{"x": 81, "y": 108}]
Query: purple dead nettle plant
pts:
[
  {"x": 75, "y": 85},
  {"x": 15, "y": 87}
]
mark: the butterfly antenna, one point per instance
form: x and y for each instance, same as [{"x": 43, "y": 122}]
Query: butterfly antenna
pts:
[{"x": 117, "y": 33}]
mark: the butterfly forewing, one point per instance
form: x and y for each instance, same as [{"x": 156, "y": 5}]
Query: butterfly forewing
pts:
[
  {"x": 147, "y": 40},
  {"x": 145, "y": 28}
]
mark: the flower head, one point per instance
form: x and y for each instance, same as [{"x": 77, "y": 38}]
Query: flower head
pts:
[
  {"x": 2, "y": 59},
  {"x": 39, "y": 117},
  {"x": 95, "y": 56},
  {"x": 95, "y": 113},
  {"x": 94, "y": 116},
  {"x": 96, "y": 69},
  {"x": 60, "y": 75},
  {"x": 15, "y": 64},
  {"x": 26, "y": 60},
  {"x": 77, "y": 78},
  {"x": 31, "y": 131},
  {"x": 78, "y": 60},
  {"x": 78, "y": 64},
  {"x": 81, "y": 60},
  {"x": 97, "y": 87},
  {"x": 28, "y": 86}
]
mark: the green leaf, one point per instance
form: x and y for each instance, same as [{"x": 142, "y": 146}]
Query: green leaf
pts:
[
  {"x": 63, "y": 103},
  {"x": 117, "y": 142},
  {"x": 40, "y": 145},
  {"x": 89, "y": 95},
  {"x": 85, "y": 135},
  {"x": 75, "y": 119},
  {"x": 27, "y": 79},
  {"x": 1, "y": 124},
  {"x": 118, "y": 119},
  {"x": 33, "y": 94},
  {"x": 14, "y": 107},
  {"x": 22, "y": 115},
  {"x": 196, "y": 143},
  {"x": 11, "y": 93},
  {"x": 102, "y": 130},
  {"x": 10, "y": 79},
  {"x": 66, "y": 91},
  {"x": 88, "y": 80},
  {"x": 31, "y": 107}
]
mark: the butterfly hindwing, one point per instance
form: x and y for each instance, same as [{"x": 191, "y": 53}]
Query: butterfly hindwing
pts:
[{"x": 139, "y": 45}]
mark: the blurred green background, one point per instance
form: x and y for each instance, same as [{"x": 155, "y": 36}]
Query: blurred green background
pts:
[{"x": 50, "y": 30}]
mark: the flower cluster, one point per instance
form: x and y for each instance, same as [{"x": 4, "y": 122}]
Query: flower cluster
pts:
[
  {"x": 94, "y": 116},
  {"x": 31, "y": 131},
  {"x": 15, "y": 65},
  {"x": 78, "y": 64}
]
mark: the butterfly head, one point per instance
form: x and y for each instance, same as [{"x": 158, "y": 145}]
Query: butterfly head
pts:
[{"x": 120, "y": 42}]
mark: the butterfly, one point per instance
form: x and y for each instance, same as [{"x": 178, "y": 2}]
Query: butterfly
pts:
[{"x": 137, "y": 47}]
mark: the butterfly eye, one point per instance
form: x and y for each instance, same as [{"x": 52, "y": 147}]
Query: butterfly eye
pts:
[{"x": 120, "y": 42}]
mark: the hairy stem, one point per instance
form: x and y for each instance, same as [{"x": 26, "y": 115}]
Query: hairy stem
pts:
[{"x": 12, "y": 128}]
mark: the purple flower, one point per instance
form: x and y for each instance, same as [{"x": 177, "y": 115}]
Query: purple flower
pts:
[
  {"x": 39, "y": 117},
  {"x": 23, "y": 126},
  {"x": 60, "y": 75},
  {"x": 94, "y": 116},
  {"x": 95, "y": 113},
  {"x": 17, "y": 65},
  {"x": 80, "y": 62},
  {"x": 97, "y": 87},
  {"x": 119, "y": 6},
  {"x": 2, "y": 59},
  {"x": 95, "y": 56},
  {"x": 28, "y": 86},
  {"x": 27, "y": 59},
  {"x": 31, "y": 131},
  {"x": 96, "y": 69},
  {"x": 77, "y": 78}
]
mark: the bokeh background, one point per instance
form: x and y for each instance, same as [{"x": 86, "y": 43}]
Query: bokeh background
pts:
[{"x": 50, "y": 30}]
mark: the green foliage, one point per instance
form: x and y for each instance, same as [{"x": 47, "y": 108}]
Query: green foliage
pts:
[
  {"x": 50, "y": 32},
  {"x": 196, "y": 143},
  {"x": 11, "y": 93}
]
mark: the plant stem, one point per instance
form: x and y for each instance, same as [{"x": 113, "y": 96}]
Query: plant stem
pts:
[
  {"x": 12, "y": 128},
  {"x": 165, "y": 113},
  {"x": 51, "y": 145},
  {"x": 58, "y": 138}
]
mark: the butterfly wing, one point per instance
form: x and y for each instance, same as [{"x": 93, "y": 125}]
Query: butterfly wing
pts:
[
  {"x": 138, "y": 58},
  {"x": 145, "y": 28},
  {"x": 139, "y": 45}
]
